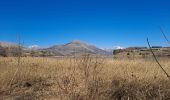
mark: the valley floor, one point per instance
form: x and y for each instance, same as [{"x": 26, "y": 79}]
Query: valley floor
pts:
[{"x": 83, "y": 78}]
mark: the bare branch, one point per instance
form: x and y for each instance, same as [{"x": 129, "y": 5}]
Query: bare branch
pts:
[
  {"x": 163, "y": 33},
  {"x": 157, "y": 59}
]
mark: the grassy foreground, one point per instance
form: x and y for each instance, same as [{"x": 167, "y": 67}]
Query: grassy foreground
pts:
[{"x": 83, "y": 79}]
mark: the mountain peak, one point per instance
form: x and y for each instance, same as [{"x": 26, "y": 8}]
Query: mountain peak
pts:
[{"x": 78, "y": 42}]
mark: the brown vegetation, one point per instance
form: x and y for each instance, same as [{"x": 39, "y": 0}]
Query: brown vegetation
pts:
[{"x": 83, "y": 78}]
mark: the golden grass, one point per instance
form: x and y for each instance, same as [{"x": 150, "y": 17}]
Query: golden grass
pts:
[{"x": 83, "y": 78}]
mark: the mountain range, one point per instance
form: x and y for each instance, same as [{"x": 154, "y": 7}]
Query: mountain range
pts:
[{"x": 74, "y": 48}]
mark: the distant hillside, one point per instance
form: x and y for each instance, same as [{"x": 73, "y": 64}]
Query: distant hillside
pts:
[
  {"x": 7, "y": 44},
  {"x": 76, "y": 48},
  {"x": 8, "y": 49},
  {"x": 142, "y": 52}
]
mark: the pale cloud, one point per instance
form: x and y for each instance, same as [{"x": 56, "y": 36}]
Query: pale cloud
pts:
[
  {"x": 34, "y": 47},
  {"x": 119, "y": 47}
]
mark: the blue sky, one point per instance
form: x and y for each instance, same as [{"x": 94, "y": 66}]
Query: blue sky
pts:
[{"x": 105, "y": 23}]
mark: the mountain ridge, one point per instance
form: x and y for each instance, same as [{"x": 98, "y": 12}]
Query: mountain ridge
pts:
[
  {"x": 73, "y": 48},
  {"x": 76, "y": 48}
]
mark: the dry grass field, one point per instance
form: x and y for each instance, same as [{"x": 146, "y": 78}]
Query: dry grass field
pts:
[{"x": 83, "y": 78}]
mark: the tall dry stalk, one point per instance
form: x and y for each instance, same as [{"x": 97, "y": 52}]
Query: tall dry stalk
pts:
[
  {"x": 91, "y": 68},
  {"x": 19, "y": 54},
  {"x": 154, "y": 56},
  {"x": 157, "y": 59},
  {"x": 163, "y": 33}
]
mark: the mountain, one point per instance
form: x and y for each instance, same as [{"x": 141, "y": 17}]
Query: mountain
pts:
[
  {"x": 76, "y": 48},
  {"x": 7, "y": 44},
  {"x": 8, "y": 49}
]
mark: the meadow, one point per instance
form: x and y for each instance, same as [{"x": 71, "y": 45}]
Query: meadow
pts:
[{"x": 85, "y": 78}]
